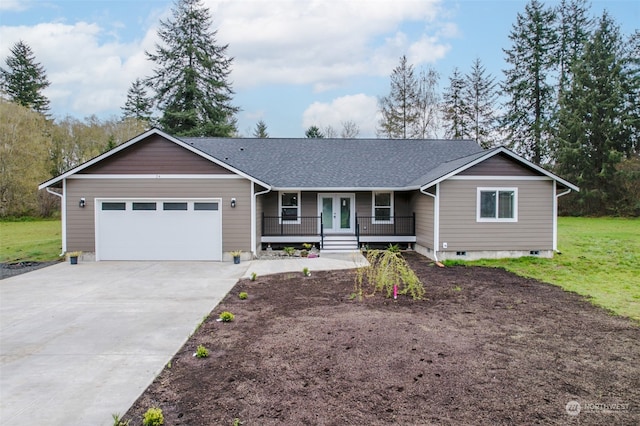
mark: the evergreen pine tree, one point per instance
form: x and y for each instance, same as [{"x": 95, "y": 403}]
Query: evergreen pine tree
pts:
[
  {"x": 261, "y": 130},
  {"x": 574, "y": 29},
  {"x": 454, "y": 108},
  {"x": 190, "y": 77},
  {"x": 398, "y": 109},
  {"x": 480, "y": 98},
  {"x": 593, "y": 133},
  {"x": 25, "y": 79},
  {"x": 138, "y": 104},
  {"x": 527, "y": 85},
  {"x": 313, "y": 132}
]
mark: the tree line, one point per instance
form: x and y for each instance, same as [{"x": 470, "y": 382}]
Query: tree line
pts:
[{"x": 567, "y": 100}]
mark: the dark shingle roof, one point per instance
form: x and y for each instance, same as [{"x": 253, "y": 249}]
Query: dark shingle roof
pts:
[{"x": 340, "y": 163}]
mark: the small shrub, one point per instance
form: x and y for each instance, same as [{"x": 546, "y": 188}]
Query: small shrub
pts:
[
  {"x": 202, "y": 352},
  {"x": 289, "y": 250},
  {"x": 304, "y": 253},
  {"x": 153, "y": 417},
  {"x": 306, "y": 272},
  {"x": 386, "y": 269},
  {"x": 457, "y": 288},
  {"x": 243, "y": 295},
  {"x": 236, "y": 422},
  {"x": 254, "y": 276},
  {"x": 393, "y": 248},
  {"x": 117, "y": 421},
  {"x": 307, "y": 246},
  {"x": 226, "y": 316}
]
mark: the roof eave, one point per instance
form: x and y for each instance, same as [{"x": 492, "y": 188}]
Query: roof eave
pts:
[{"x": 344, "y": 188}]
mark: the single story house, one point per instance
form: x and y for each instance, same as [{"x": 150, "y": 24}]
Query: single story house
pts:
[{"x": 159, "y": 197}]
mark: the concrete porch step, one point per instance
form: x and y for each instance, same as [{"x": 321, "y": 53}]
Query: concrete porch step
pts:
[{"x": 339, "y": 243}]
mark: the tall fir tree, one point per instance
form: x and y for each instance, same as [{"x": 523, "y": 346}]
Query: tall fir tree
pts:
[
  {"x": 24, "y": 79},
  {"x": 398, "y": 109},
  {"x": 261, "y": 130},
  {"x": 632, "y": 91},
  {"x": 574, "y": 28},
  {"x": 454, "y": 107},
  {"x": 593, "y": 130},
  {"x": 139, "y": 104},
  {"x": 527, "y": 85},
  {"x": 480, "y": 99},
  {"x": 314, "y": 132},
  {"x": 190, "y": 77}
]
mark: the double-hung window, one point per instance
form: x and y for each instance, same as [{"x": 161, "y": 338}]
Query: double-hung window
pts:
[
  {"x": 497, "y": 205},
  {"x": 382, "y": 207},
  {"x": 290, "y": 206}
]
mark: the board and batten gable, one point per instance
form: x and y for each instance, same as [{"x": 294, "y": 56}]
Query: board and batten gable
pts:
[
  {"x": 467, "y": 237},
  {"x": 155, "y": 155},
  {"x": 156, "y": 168}
]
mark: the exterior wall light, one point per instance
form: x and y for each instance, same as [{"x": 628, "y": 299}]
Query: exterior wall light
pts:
[
  {"x": 233, "y": 203},
  {"x": 82, "y": 203}
]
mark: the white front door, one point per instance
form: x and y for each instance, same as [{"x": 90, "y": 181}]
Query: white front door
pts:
[{"x": 338, "y": 213}]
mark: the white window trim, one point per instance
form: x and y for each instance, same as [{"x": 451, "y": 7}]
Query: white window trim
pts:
[
  {"x": 373, "y": 207},
  {"x": 496, "y": 219},
  {"x": 299, "y": 207}
]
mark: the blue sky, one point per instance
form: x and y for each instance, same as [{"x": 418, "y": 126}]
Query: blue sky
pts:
[{"x": 297, "y": 62}]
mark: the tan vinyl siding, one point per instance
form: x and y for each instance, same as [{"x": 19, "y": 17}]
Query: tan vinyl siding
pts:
[
  {"x": 363, "y": 203},
  {"x": 270, "y": 203},
  {"x": 259, "y": 210},
  {"x": 460, "y": 230},
  {"x": 499, "y": 165},
  {"x": 309, "y": 204},
  {"x": 235, "y": 222},
  {"x": 423, "y": 207},
  {"x": 155, "y": 155}
]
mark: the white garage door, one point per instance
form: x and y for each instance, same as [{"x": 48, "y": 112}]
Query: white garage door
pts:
[{"x": 158, "y": 229}]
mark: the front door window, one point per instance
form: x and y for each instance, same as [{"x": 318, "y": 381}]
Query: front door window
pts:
[
  {"x": 327, "y": 212},
  {"x": 337, "y": 212}
]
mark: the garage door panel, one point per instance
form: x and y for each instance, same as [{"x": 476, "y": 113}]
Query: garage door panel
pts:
[{"x": 171, "y": 234}]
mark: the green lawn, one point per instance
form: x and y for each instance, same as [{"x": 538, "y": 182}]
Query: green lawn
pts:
[
  {"x": 600, "y": 259},
  {"x": 37, "y": 240}
]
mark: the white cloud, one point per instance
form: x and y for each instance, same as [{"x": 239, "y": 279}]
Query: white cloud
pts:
[
  {"x": 88, "y": 75},
  {"x": 324, "y": 43},
  {"x": 319, "y": 43},
  {"x": 361, "y": 109},
  {"x": 15, "y": 5}
]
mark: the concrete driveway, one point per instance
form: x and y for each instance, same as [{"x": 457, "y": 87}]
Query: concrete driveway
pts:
[{"x": 79, "y": 343}]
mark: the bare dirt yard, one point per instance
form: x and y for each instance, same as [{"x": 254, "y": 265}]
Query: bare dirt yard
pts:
[{"x": 484, "y": 347}]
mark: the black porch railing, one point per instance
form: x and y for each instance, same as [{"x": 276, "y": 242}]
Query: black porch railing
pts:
[
  {"x": 313, "y": 226},
  {"x": 393, "y": 226},
  {"x": 291, "y": 226}
]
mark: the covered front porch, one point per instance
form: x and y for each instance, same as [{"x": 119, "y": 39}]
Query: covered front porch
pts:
[{"x": 337, "y": 220}]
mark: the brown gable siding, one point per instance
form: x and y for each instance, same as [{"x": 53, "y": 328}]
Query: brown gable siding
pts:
[
  {"x": 499, "y": 165},
  {"x": 155, "y": 155}
]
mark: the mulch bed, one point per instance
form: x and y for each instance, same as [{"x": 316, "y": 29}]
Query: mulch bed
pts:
[
  {"x": 485, "y": 347},
  {"x": 11, "y": 269}
]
